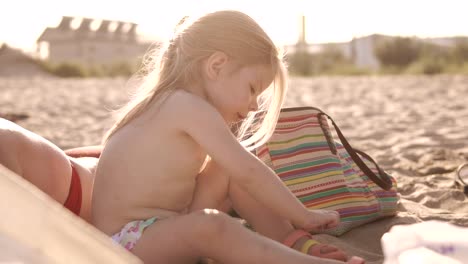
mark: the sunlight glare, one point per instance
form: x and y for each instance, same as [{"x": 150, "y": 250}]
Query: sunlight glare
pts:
[{"x": 326, "y": 21}]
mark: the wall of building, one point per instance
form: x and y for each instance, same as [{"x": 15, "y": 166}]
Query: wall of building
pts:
[{"x": 87, "y": 46}]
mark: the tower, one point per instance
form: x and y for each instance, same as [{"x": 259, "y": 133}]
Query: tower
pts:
[
  {"x": 301, "y": 44},
  {"x": 302, "y": 31}
]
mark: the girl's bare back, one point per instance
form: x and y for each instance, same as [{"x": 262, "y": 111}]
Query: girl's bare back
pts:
[{"x": 148, "y": 168}]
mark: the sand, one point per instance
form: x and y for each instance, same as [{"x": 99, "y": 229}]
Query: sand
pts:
[
  {"x": 416, "y": 127},
  {"x": 14, "y": 62}
]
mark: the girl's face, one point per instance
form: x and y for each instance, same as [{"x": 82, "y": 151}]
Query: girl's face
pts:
[{"x": 236, "y": 90}]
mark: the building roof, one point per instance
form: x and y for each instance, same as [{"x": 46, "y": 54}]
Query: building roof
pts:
[{"x": 124, "y": 31}]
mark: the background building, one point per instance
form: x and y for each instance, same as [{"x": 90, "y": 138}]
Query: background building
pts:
[
  {"x": 89, "y": 42},
  {"x": 359, "y": 51}
]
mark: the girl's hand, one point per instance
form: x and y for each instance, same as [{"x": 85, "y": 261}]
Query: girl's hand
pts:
[{"x": 319, "y": 220}]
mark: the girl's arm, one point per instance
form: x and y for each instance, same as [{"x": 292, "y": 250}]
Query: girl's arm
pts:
[{"x": 205, "y": 125}]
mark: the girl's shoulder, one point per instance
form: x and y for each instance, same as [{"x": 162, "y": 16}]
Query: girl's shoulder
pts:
[
  {"x": 181, "y": 95},
  {"x": 193, "y": 114},
  {"x": 181, "y": 102}
]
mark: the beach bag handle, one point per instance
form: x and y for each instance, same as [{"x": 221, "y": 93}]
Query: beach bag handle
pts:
[{"x": 384, "y": 181}]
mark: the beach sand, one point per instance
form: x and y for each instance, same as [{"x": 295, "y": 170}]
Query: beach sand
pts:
[{"x": 416, "y": 127}]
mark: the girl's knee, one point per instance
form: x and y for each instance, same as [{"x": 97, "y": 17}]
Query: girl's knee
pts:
[{"x": 211, "y": 223}]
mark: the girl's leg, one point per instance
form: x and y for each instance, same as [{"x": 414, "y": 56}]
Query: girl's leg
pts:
[
  {"x": 215, "y": 235},
  {"x": 35, "y": 159},
  {"x": 213, "y": 187},
  {"x": 211, "y": 190},
  {"x": 268, "y": 224},
  {"x": 258, "y": 216}
]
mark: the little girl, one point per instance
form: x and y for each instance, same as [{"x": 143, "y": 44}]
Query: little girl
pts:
[{"x": 210, "y": 76}]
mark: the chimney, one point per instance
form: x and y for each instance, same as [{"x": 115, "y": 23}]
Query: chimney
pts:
[
  {"x": 132, "y": 32},
  {"x": 104, "y": 27},
  {"x": 84, "y": 30},
  {"x": 85, "y": 24},
  {"x": 65, "y": 24},
  {"x": 103, "y": 32}
]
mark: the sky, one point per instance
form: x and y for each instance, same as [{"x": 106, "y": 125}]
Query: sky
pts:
[{"x": 22, "y": 21}]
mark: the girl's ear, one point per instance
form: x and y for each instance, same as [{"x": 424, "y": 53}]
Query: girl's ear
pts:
[{"x": 215, "y": 63}]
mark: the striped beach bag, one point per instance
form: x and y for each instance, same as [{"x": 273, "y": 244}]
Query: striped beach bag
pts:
[{"x": 326, "y": 174}]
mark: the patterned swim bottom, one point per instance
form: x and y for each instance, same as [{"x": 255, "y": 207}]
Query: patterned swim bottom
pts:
[{"x": 131, "y": 232}]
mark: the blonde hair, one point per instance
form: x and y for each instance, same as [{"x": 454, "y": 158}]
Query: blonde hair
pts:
[{"x": 176, "y": 64}]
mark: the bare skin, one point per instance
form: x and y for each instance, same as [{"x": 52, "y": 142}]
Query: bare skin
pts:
[
  {"x": 45, "y": 165},
  {"x": 178, "y": 235},
  {"x": 42, "y": 163},
  {"x": 166, "y": 148},
  {"x": 149, "y": 168},
  {"x": 214, "y": 190}
]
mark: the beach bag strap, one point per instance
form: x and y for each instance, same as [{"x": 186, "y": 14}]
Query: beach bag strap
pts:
[{"x": 384, "y": 181}]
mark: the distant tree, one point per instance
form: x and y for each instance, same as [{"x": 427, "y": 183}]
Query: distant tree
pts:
[
  {"x": 434, "y": 51},
  {"x": 328, "y": 59},
  {"x": 69, "y": 70},
  {"x": 300, "y": 62},
  {"x": 398, "y": 52},
  {"x": 460, "y": 51},
  {"x": 120, "y": 69}
]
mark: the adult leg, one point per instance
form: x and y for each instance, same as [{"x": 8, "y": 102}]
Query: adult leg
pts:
[
  {"x": 212, "y": 234},
  {"x": 35, "y": 159}
]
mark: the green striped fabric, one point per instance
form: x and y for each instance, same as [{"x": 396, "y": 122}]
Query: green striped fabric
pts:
[{"x": 302, "y": 156}]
